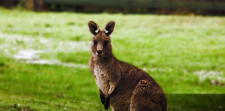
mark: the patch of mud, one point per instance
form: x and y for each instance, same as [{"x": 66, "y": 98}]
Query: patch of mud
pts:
[
  {"x": 22, "y": 108},
  {"x": 215, "y": 77}
]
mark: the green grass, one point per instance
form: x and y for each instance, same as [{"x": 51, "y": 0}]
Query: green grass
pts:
[{"x": 170, "y": 48}]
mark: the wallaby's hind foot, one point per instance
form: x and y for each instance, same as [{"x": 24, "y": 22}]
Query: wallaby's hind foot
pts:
[{"x": 147, "y": 97}]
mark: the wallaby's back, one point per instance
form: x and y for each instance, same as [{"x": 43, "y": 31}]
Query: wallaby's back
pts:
[{"x": 137, "y": 90}]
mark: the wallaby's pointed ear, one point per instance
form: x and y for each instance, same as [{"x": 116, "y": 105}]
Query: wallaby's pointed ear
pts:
[
  {"x": 109, "y": 28},
  {"x": 93, "y": 27}
]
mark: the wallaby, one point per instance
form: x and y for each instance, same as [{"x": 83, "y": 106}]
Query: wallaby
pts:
[{"x": 122, "y": 86}]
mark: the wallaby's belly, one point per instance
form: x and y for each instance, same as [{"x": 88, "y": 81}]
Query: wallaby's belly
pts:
[
  {"x": 121, "y": 98},
  {"x": 102, "y": 79}
]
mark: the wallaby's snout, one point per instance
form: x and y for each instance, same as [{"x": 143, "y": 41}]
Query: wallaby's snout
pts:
[
  {"x": 99, "y": 52},
  {"x": 99, "y": 49},
  {"x": 100, "y": 46}
]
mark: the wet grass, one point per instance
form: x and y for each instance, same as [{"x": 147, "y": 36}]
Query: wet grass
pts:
[
  {"x": 170, "y": 48},
  {"x": 47, "y": 87}
]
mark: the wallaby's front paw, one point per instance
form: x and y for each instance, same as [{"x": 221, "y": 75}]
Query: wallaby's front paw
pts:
[
  {"x": 110, "y": 91},
  {"x": 111, "y": 88}
]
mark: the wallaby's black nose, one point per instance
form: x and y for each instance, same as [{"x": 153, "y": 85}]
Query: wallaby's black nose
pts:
[{"x": 99, "y": 52}]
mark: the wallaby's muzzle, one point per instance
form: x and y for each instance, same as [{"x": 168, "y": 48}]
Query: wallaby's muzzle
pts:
[{"x": 99, "y": 51}]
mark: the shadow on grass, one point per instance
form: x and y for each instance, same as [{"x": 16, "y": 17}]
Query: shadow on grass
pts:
[{"x": 196, "y": 102}]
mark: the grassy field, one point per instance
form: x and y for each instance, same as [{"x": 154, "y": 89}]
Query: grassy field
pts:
[{"x": 44, "y": 56}]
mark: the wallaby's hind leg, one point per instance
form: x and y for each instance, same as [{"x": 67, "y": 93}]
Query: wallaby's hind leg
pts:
[{"x": 147, "y": 96}]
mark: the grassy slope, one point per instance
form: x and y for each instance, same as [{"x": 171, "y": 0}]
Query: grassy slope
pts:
[{"x": 176, "y": 46}]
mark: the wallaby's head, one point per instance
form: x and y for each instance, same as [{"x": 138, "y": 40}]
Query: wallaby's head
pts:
[{"x": 101, "y": 43}]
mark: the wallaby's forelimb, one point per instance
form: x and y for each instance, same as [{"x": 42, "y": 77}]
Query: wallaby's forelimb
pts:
[{"x": 112, "y": 86}]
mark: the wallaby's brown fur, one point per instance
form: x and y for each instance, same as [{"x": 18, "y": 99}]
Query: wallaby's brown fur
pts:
[{"x": 122, "y": 86}]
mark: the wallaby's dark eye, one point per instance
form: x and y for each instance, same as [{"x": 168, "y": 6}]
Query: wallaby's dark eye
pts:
[
  {"x": 95, "y": 42},
  {"x": 105, "y": 42}
]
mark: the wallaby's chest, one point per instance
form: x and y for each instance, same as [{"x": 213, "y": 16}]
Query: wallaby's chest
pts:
[{"x": 102, "y": 78}]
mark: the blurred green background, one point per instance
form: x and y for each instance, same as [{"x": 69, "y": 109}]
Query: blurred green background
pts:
[{"x": 44, "y": 56}]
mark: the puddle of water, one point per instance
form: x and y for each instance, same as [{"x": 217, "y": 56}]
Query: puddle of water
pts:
[
  {"x": 74, "y": 65},
  {"x": 70, "y": 46},
  {"x": 56, "y": 62},
  {"x": 49, "y": 45},
  {"x": 158, "y": 69},
  {"x": 205, "y": 74},
  {"x": 32, "y": 57},
  {"x": 43, "y": 61},
  {"x": 28, "y": 55},
  {"x": 4, "y": 46},
  {"x": 15, "y": 37}
]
